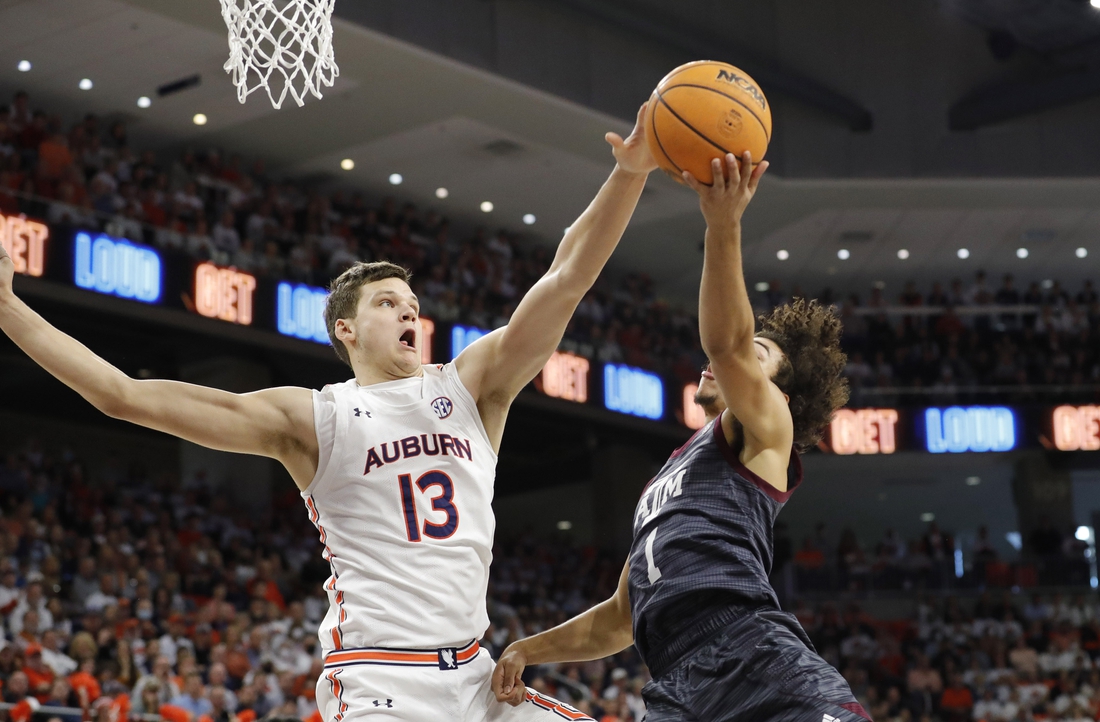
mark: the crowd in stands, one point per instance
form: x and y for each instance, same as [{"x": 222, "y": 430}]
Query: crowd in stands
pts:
[
  {"x": 989, "y": 658},
  {"x": 933, "y": 561},
  {"x": 124, "y": 592},
  {"x": 221, "y": 208},
  {"x": 1050, "y": 339}
]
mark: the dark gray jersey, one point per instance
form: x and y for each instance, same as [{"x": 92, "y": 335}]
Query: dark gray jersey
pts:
[{"x": 702, "y": 539}]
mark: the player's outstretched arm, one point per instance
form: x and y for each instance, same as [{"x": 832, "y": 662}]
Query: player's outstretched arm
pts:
[
  {"x": 603, "y": 630},
  {"x": 495, "y": 368},
  {"x": 277, "y": 423},
  {"x": 726, "y": 322}
]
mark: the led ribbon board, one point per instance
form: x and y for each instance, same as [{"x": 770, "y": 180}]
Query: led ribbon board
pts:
[
  {"x": 1077, "y": 428},
  {"x": 300, "y": 311},
  {"x": 565, "y": 376},
  {"x": 633, "y": 391},
  {"x": 117, "y": 267},
  {"x": 974, "y": 428},
  {"x": 863, "y": 431},
  {"x": 224, "y": 293},
  {"x": 25, "y": 242},
  {"x": 463, "y": 336}
]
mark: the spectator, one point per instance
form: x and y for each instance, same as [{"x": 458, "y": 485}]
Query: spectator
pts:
[
  {"x": 60, "y": 663},
  {"x": 957, "y": 701},
  {"x": 18, "y": 687},
  {"x": 193, "y": 698},
  {"x": 40, "y": 678},
  {"x": 158, "y": 680},
  {"x": 85, "y": 582},
  {"x": 31, "y": 607},
  {"x": 226, "y": 239}
]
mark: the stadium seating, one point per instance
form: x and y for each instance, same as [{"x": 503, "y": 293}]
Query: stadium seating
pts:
[{"x": 949, "y": 343}]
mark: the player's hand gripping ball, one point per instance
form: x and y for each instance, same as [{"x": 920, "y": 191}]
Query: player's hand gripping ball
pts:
[
  {"x": 633, "y": 154},
  {"x": 702, "y": 111},
  {"x": 723, "y": 202}
]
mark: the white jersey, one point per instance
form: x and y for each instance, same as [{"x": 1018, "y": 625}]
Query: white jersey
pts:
[{"x": 403, "y": 502}]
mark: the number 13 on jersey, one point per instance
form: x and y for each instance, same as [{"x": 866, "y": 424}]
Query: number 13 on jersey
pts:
[{"x": 443, "y": 502}]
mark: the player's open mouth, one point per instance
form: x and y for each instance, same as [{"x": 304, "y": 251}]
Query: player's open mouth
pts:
[{"x": 408, "y": 339}]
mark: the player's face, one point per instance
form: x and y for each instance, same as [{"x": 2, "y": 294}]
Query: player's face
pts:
[
  {"x": 767, "y": 351},
  {"x": 710, "y": 397},
  {"x": 387, "y": 328}
]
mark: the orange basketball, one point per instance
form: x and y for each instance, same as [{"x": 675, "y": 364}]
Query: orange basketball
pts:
[{"x": 703, "y": 110}]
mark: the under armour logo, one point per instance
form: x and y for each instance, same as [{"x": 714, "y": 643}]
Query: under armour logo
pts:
[
  {"x": 828, "y": 718},
  {"x": 448, "y": 658},
  {"x": 359, "y": 413},
  {"x": 380, "y": 703}
]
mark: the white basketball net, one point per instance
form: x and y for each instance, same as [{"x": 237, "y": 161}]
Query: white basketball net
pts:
[{"x": 282, "y": 46}]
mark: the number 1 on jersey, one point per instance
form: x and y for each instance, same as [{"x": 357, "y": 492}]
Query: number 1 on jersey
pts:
[{"x": 654, "y": 572}]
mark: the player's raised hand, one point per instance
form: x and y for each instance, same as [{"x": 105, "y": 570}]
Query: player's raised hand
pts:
[
  {"x": 735, "y": 183},
  {"x": 633, "y": 153},
  {"x": 7, "y": 271},
  {"x": 508, "y": 683}
]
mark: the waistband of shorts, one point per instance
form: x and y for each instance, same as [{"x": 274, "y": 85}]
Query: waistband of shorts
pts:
[
  {"x": 702, "y": 630},
  {"x": 442, "y": 658}
]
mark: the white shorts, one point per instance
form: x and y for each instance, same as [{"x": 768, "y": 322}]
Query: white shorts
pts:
[{"x": 387, "y": 685}]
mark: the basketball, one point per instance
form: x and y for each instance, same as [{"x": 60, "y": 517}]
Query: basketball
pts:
[{"x": 703, "y": 110}]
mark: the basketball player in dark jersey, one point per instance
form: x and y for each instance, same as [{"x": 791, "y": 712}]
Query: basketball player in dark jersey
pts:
[{"x": 694, "y": 596}]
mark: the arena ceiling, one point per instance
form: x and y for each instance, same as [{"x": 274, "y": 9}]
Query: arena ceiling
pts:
[{"x": 516, "y": 133}]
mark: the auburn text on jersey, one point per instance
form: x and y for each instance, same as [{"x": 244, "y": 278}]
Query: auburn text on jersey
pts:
[{"x": 411, "y": 446}]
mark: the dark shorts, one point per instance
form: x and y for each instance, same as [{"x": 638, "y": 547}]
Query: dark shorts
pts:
[{"x": 760, "y": 668}]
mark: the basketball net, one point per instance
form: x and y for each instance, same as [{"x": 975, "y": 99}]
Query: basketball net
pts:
[{"x": 282, "y": 46}]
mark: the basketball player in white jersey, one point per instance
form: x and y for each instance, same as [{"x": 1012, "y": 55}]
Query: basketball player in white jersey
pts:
[{"x": 396, "y": 465}]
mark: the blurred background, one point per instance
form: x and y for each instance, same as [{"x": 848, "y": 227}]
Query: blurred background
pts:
[{"x": 934, "y": 175}]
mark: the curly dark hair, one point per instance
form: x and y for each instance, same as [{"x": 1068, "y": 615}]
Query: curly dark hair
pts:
[{"x": 809, "y": 336}]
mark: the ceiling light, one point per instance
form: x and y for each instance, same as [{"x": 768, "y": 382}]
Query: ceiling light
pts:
[
  {"x": 1021, "y": 253},
  {"x": 963, "y": 253},
  {"x": 1047, "y": 284},
  {"x": 565, "y": 525},
  {"x": 1081, "y": 252},
  {"x": 24, "y": 66},
  {"x": 85, "y": 84},
  {"x": 529, "y": 219},
  {"x": 395, "y": 179},
  {"x": 144, "y": 101},
  {"x": 762, "y": 286},
  {"x": 782, "y": 255},
  {"x": 442, "y": 193},
  {"x": 199, "y": 119},
  {"x": 843, "y": 254},
  {"x": 927, "y": 516},
  {"x": 973, "y": 480},
  {"x": 1095, "y": 4},
  {"x": 903, "y": 253},
  {"x": 347, "y": 164},
  {"x": 487, "y": 206}
]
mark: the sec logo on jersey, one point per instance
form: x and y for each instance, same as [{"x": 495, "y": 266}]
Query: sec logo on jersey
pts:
[{"x": 442, "y": 407}]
